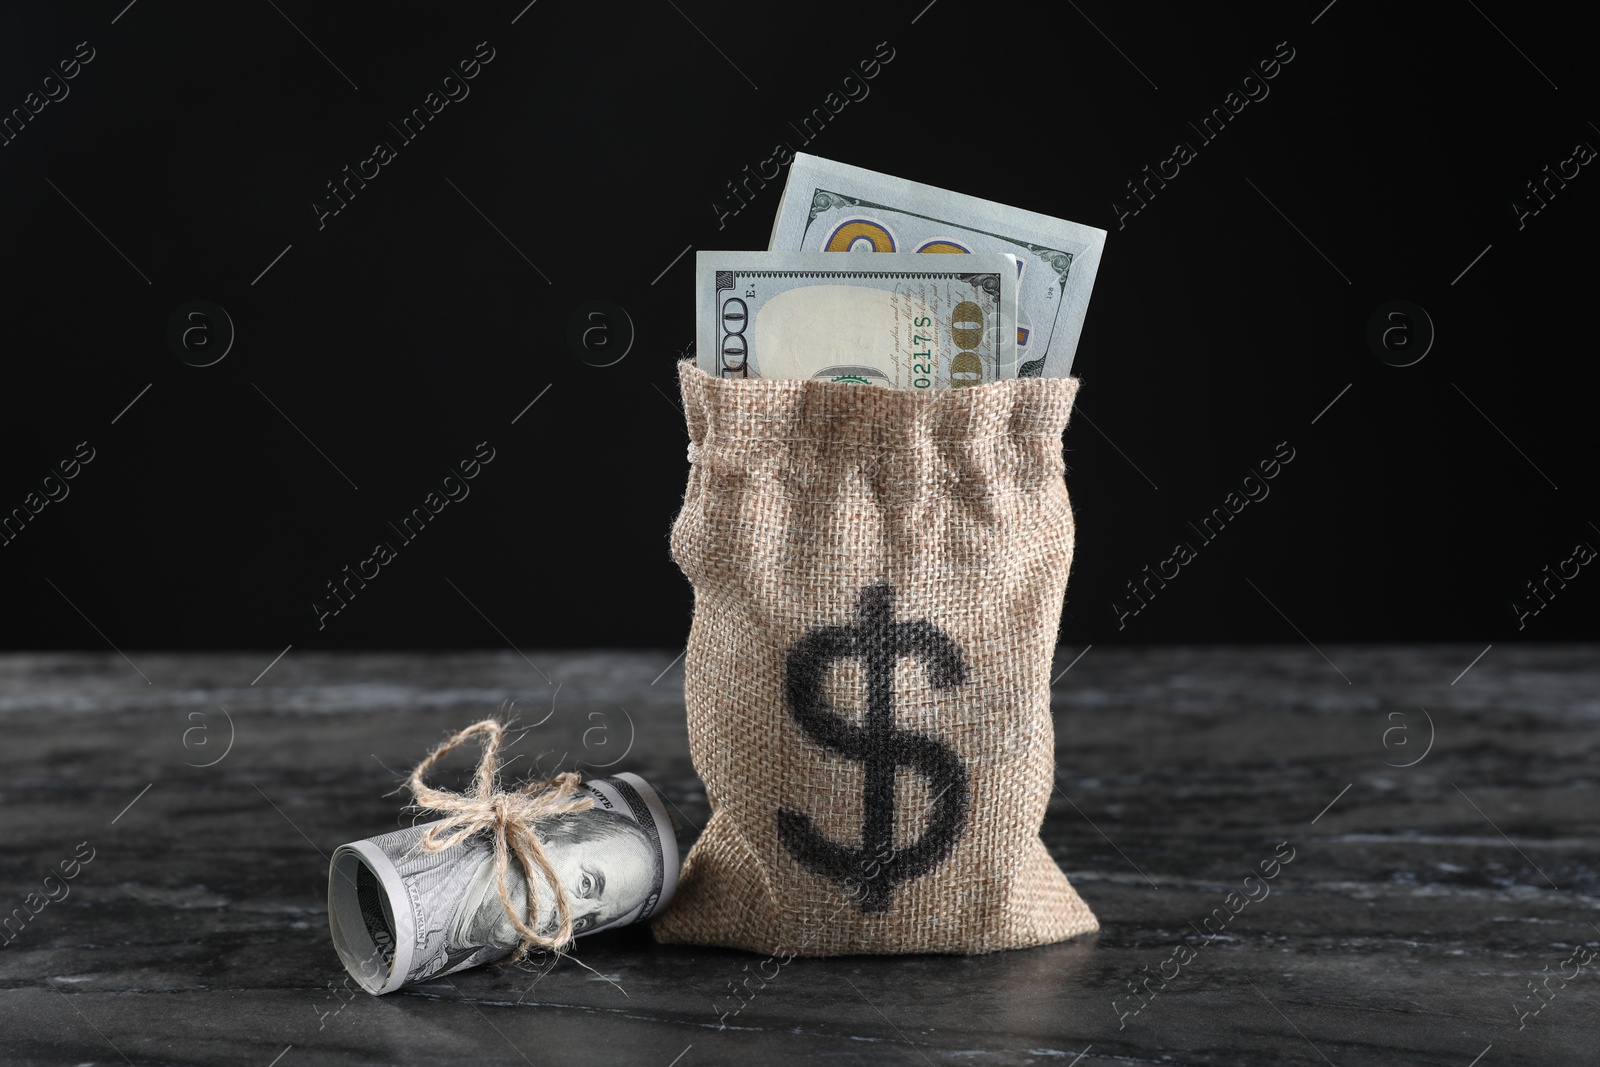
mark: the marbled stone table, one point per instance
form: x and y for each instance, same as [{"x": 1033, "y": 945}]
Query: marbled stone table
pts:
[{"x": 1444, "y": 838}]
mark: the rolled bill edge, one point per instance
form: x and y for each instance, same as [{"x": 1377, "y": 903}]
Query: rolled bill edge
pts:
[{"x": 398, "y": 915}]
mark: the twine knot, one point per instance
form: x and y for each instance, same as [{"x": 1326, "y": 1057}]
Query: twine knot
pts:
[{"x": 512, "y": 818}]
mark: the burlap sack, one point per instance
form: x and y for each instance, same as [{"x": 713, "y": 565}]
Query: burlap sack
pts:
[{"x": 878, "y": 579}]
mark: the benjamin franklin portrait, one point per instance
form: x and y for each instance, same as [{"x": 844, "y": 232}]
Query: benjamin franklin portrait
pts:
[{"x": 603, "y": 858}]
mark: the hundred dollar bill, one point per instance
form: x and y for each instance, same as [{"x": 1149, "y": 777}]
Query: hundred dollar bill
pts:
[
  {"x": 400, "y": 915},
  {"x": 832, "y": 207},
  {"x": 901, "y": 321}
]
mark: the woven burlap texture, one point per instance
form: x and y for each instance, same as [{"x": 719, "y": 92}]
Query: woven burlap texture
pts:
[{"x": 807, "y": 503}]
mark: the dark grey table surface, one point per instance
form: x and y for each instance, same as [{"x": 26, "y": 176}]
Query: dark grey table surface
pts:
[{"x": 1444, "y": 829}]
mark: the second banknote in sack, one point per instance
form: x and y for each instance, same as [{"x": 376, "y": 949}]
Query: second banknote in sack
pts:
[{"x": 894, "y": 319}]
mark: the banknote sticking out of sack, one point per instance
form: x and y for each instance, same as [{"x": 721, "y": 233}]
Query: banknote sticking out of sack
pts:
[{"x": 878, "y": 579}]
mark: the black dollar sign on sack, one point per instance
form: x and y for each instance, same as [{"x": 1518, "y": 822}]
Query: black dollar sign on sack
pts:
[{"x": 877, "y": 639}]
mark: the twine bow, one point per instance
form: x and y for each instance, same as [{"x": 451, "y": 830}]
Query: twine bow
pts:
[{"x": 511, "y": 817}]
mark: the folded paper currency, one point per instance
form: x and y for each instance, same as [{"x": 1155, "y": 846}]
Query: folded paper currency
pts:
[
  {"x": 400, "y": 914},
  {"x": 897, "y": 320},
  {"x": 832, "y": 207}
]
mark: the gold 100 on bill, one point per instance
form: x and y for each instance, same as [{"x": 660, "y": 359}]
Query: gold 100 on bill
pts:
[{"x": 881, "y": 319}]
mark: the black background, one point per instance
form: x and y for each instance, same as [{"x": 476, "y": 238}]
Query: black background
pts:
[{"x": 1227, "y": 315}]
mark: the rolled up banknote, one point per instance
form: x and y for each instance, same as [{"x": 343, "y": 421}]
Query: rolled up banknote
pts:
[
  {"x": 896, "y": 320},
  {"x": 833, "y": 207},
  {"x": 400, "y": 915}
]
